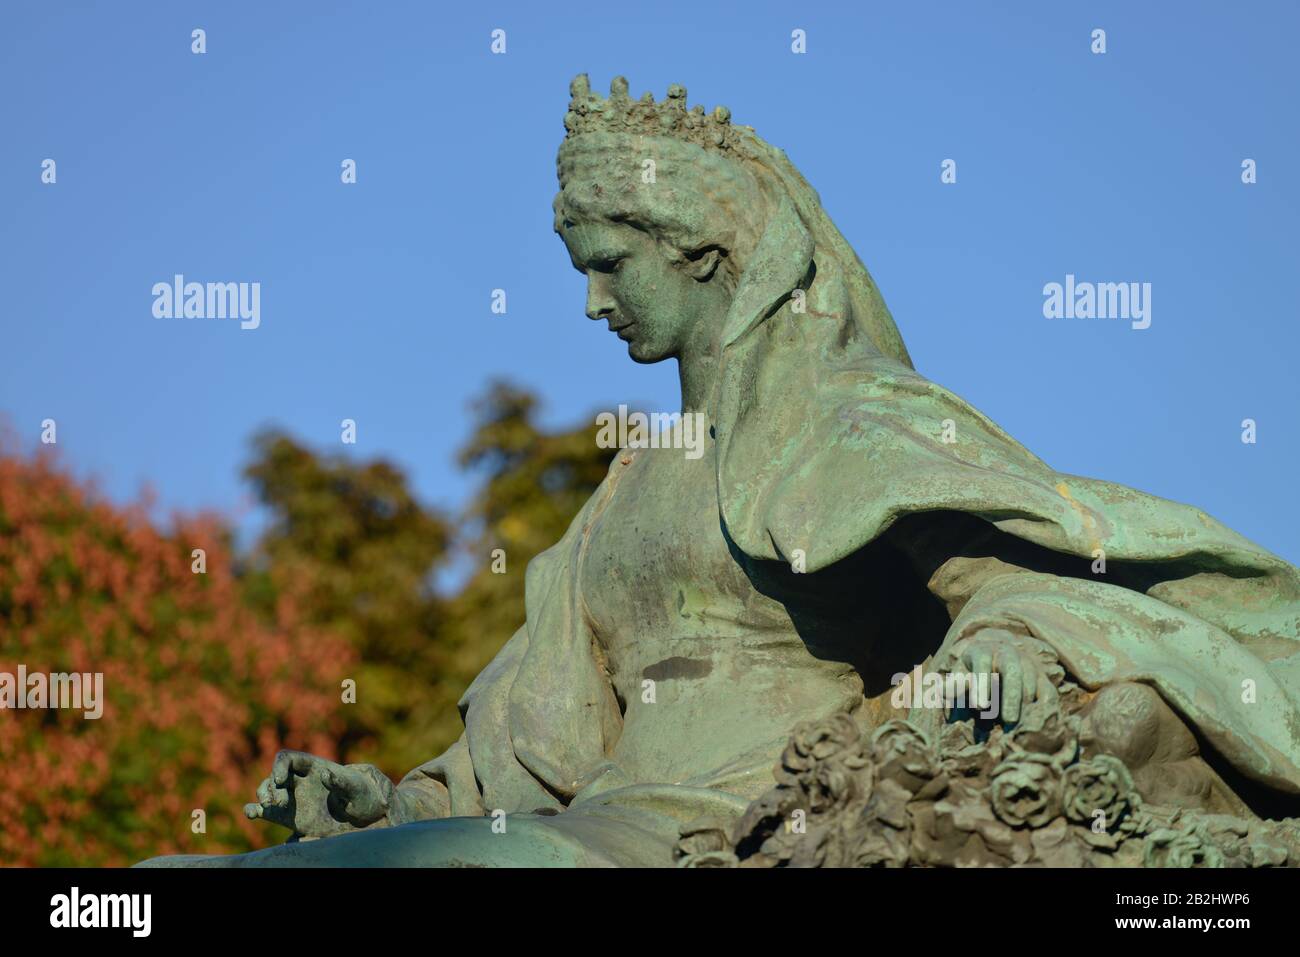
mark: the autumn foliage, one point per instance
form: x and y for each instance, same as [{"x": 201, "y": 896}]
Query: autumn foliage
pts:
[
  {"x": 207, "y": 673},
  {"x": 199, "y": 691}
]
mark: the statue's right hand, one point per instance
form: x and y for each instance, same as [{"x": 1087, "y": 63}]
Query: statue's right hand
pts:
[{"x": 314, "y": 797}]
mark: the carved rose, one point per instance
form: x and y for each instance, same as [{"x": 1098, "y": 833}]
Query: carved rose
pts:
[
  {"x": 1043, "y": 729},
  {"x": 826, "y": 762},
  {"x": 961, "y": 756},
  {"x": 903, "y": 754},
  {"x": 1025, "y": 791},
  {"x": 832, "y": 785},
  {"x": 817, "y": 741},
  {"x": 1102, "y": 784},
  {"x": 881, "y": 846},
  {"x": 1169, "y": 848}
]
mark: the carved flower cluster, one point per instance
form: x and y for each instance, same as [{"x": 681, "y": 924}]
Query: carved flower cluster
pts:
[{"x": 1025, "y": 797}]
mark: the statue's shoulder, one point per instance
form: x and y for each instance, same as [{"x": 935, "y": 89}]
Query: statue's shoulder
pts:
[{"x": 545, "y": 565}]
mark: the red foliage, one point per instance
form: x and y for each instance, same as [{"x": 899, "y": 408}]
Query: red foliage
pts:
[{"x": 199, "y": 690}]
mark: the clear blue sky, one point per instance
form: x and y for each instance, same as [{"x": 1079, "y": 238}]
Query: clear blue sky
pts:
[{"x": 375, "y": 297}]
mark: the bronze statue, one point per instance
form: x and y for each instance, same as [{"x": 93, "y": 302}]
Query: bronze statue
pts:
[{"x": 853, "y": 537}]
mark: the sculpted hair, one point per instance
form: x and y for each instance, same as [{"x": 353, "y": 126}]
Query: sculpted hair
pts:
[{"x": 697, "y": 200}]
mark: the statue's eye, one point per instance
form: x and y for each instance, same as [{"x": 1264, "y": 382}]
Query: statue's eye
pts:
[{"x": 611, "y": 264}]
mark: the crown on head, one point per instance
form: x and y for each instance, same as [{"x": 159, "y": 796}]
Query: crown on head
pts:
[{"x": 591, "y": 113}]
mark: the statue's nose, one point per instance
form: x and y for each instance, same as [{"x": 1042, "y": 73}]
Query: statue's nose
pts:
[{"x": 599, "y": 303}]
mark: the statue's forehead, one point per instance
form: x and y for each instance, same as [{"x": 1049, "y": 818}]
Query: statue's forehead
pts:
[
  {"x": 623, "y": 156},
  {"x": 592, "y": 237}
]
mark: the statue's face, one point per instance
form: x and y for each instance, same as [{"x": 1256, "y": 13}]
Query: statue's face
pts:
[{"x": 657, "y": 307}]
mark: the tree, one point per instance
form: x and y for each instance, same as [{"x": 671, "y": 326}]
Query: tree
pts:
[
  {"x": 362, "y": 551},
  {"x": 208, "y": 672},
  {"x": 199, "y": 692}
]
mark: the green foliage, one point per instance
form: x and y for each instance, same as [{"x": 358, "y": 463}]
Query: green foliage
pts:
[{"x": 360, "y": 550}]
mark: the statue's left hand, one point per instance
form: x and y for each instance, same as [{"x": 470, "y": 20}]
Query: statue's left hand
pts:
[
  {"x": 315, "y": 797},
  {"x": 1021, "y": 677}
]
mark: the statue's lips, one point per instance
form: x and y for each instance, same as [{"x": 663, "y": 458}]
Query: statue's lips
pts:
[{"x": 620, "y": 329}]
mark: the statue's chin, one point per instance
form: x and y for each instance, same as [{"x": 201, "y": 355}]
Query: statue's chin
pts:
[{"x": 644, "y": 354}]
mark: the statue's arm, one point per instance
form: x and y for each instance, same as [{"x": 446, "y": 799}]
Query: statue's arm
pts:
[
  {"x": 441, "y": 787},
  {"x": 1014, "y": 603},
  {"x": 481, "y": 767},
  {"x": 958, "y": 557},
  {"x": 955, "y": 555},
  {"x": 314, "y": 797}
]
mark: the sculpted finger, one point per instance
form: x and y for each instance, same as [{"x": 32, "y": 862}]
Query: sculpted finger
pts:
[
  {"x": 1046, "y": 690},
  {"x": 301, "y": 762},
  {"x": 357, "y": 809},
  {"x": 1030, "y": 682},
  {"x": 1011, "y": 684},
  {"x": 272, "y": 796},
  {"x": 267, "y": 812},
  {"x": 342, "y": 784},
  {"x": 355, "y": 795},
  {"x": 280, "y": 769},
  {"x": 364, "y": 802},
  {"x": 368, "y": 806}
]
